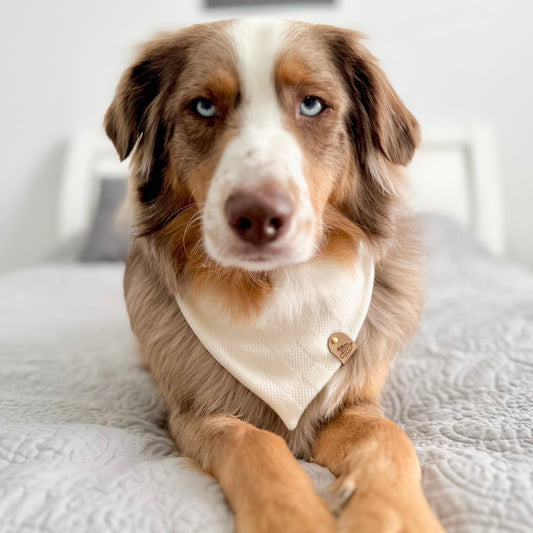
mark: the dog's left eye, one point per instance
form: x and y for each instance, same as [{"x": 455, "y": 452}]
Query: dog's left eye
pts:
[
  {"x": 205, "y": 108},
  {"x": 311, "y": 106}
]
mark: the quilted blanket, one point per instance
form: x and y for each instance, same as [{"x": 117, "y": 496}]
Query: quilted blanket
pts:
[{"x": 82, "y": 439}]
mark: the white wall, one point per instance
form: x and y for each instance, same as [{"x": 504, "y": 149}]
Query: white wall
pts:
[{"x": 453, "y": 61}]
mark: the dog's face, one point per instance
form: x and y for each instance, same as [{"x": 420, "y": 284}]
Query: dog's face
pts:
[{"x": 268, "y": 134}]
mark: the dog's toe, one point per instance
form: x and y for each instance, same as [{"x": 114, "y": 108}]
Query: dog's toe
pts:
[{"x": 338, "y": 494}]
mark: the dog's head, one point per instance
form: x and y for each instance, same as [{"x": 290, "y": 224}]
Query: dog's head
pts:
[{"x": 257, "y": 143}]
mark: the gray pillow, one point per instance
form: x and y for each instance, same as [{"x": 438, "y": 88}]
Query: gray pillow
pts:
[{"x": 108, "y": 241}]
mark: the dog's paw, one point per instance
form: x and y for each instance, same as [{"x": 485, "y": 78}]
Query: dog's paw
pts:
[
  {"x": 301, "y": 514},
  {"x": 379, "y": 510}
]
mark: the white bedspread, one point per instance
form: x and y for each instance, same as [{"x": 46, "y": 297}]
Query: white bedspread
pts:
[{"x": 82, "y": 447}]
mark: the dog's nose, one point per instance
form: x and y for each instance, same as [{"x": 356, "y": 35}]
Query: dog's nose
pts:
[{"x": 259, "y": 218}]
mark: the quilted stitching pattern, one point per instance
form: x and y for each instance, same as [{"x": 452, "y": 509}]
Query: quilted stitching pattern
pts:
[{"x": 82, "y": 446}]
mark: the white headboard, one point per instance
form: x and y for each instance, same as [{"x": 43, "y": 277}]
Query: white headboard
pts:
[{"x": 453, "y": 173}]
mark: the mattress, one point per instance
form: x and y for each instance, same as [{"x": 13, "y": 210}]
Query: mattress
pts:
[{"x": 83, "y": 445}]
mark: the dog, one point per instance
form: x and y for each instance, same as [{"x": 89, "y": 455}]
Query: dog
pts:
[{"x": 274, "y": 272}]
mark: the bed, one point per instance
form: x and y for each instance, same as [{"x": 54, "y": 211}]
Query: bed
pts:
[{"x": 83, "y": 445}]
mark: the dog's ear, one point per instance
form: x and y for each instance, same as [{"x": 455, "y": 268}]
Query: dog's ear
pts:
[
  {"x": 127, "y": 116},
  {"x": 383, "y": 132},
  {"x": 378, "y": 119},
  {"x": 136, "y": 118}
]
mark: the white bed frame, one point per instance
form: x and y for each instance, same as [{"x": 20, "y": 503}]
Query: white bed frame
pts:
[{"x": 453, "y": 173}]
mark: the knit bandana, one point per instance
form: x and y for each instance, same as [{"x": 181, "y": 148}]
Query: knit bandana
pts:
[{"x": 306, "y": 330}]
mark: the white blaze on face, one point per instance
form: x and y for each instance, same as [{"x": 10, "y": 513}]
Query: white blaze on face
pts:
[{"x": 263, "y": 154}]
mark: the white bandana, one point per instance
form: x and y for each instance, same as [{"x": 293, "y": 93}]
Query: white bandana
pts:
[{"x": 282, "y": 355}]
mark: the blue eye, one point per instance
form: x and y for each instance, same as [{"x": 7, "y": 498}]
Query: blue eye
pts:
[
  {"x": 205, "y": 108},
  {"x": 311, "y": 106}
]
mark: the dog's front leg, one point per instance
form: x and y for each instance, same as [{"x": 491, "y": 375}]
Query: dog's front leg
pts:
[
  {"x": 378, "y": 489},
  {"x": 264, "y": 484}
]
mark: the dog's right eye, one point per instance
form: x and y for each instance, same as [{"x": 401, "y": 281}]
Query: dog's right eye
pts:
[
  {"x": 204, "y": 107},
  {"x": 311, "y": 106}
]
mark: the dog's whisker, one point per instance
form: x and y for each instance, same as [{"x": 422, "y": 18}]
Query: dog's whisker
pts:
[{"x": 194, "y": 220}]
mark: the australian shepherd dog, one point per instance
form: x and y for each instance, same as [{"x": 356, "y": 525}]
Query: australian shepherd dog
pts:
[{"x": 273, "y": 274}]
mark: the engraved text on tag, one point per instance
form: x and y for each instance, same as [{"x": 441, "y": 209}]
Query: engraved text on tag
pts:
[{"x": 341, "y": 346}]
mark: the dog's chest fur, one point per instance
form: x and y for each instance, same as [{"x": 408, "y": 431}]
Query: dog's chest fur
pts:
[{"x": 192, "y": 381}]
